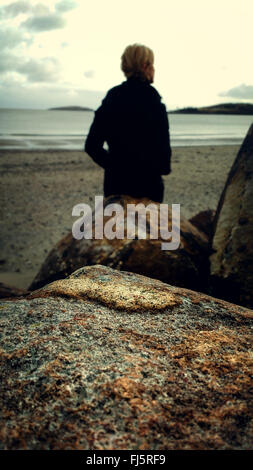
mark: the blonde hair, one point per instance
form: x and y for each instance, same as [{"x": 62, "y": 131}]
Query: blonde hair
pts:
[{"x": 133, "y": 59}]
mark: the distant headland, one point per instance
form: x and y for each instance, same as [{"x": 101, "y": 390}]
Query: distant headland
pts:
[
  {"x": 225, "y": 108},
  {"x": 70, "y": 108}
]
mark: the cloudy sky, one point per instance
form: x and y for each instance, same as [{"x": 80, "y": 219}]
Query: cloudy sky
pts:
[{"x": 67, "y": 52}]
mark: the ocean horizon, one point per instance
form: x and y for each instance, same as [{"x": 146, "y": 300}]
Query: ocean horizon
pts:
[{"x": 32, "y": 129}]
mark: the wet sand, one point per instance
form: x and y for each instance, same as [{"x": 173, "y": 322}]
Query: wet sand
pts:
[{"x": 39, "y": 189}]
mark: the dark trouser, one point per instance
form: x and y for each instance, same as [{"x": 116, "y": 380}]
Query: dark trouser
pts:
[{"x": 134, "y": 184}]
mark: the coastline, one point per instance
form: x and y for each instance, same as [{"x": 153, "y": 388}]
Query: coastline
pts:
[{"x": 40, "y": 187}]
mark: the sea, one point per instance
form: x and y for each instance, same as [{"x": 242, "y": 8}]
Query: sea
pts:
[{"x": 46, "y": 129}]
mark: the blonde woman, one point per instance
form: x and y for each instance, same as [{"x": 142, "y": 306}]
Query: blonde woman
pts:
[{"x": 134, "y": 124}]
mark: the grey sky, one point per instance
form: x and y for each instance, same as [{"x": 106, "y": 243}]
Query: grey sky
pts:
[
  {"x": 44, "y": 70},
  {"x": 47, "y": 22},
  {"x": 241, "y": 92},
  {"x": 10, "y": 38},
  {"x": 65, "y": 5},
  {"x": 203, "y": 49},
  {"x": 15, "y": 8}
]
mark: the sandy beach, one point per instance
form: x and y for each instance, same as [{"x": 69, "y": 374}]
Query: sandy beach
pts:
[{"x": 40, "y": 188}]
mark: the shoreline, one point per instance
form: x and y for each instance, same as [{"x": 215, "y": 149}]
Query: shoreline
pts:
[
  {"x": 40, "y": 187},
  {"x": 8, "y": 145}
]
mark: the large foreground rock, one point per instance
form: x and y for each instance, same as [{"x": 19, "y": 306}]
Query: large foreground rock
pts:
[
  {"x": 188, "y": 266},
  {"x": 113, "y": 360},
  {"x": 232, "y": 262}
]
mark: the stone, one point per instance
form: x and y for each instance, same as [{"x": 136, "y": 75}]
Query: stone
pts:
[
  {"x": 187, "y": 266},
  {"x": 204, "y": 222},
  {"x": 7, "y": 291},
  {"x": 231, "y": 265},
  {"x": 107, "y": 360}
]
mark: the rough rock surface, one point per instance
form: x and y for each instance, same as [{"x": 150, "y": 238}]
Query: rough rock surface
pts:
[
  {"x": 232, "y": 262},
  {"x": 188, "y": 266},
  {"x": 204, "y": 221},
  {"x": 7, "y": 291},
  {"x": 113, "y": 360}
]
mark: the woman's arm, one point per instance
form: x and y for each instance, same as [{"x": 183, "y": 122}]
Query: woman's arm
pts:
[
  {"x": 162, "y": 140},
  {"x": 96, "y": 138}
]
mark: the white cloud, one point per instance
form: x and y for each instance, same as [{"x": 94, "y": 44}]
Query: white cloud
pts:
[
  {"x": 65, "y": 5},
  {"x": 192, "y": 64},
  {"x": 40, "y": 9},
  {"x": 9, "y": 62},
  {"x": 15, "y": 8},
  {"x": 12, "y": 37},
  {"x": 44, "y": 22},
  {"x": 45, "y": 70},
  {"x": 33, "y": 70},
  {"x": 242, "y": 92},
  {"x": 89, "y": 74}
]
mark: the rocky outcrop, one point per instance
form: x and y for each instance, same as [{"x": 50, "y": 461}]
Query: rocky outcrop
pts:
[
  {"x": 187, "y": 266},
  {"x": 113, "y": 360},
  {"x": 232, "y": 262},
  {"x": 204, "y": 221},
  {"x": 7, "y": 291}
]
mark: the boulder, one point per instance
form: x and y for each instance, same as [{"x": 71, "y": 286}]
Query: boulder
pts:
[
  {"x": 204, "y": 222},
  {"x": 7, "y": 291},
  {"x": 232, "y": 263},
  {"x": 113, "y": 360},
  {"x": 187, "y": 266}
]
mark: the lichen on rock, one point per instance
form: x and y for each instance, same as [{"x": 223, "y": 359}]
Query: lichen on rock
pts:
[{"x": 85, "y": 368}]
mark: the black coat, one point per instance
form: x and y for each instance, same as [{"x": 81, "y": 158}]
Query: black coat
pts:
[{"x": 134, "y": 123}]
